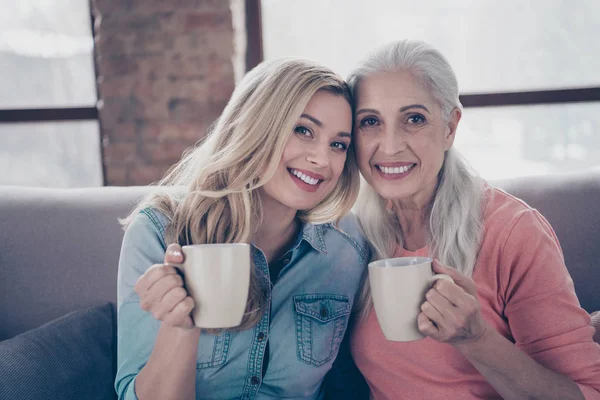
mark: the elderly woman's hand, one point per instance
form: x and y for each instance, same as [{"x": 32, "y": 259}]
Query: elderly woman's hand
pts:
[{"x": 451, "y": 312}]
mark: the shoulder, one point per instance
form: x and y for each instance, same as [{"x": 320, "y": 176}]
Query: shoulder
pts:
[
  {"x": 507, "y": 215},
  {"x": 348, "y": 230},
  {"x": 514, "y": 228},
  {"x": 499, "y": 202},
  {"x": 149, "y": 223}
]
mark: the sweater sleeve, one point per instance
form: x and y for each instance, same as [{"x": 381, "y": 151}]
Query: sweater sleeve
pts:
[{"x": 542, "y": 309}]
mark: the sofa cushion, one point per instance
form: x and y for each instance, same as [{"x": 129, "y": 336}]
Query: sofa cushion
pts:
[{"x": 68, "y": 358}]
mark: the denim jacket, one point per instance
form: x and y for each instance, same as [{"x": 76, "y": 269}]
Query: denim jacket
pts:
[{"x": 307, "y": 315}]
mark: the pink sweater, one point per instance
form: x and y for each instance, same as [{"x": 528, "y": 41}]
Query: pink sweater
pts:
[{"x": 525, "y": 292}]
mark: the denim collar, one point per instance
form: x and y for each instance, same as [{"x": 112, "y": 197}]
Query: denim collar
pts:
[{"x": 313, "y": 235}]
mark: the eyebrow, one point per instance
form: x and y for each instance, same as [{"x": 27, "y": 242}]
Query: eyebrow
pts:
[
  {"x": 313, "y": 119},
  {"x": 414, "y": 106},
  {"x": 320, "y": 125},
  {"x": 373, "y": 111},
  {"x": 367, "y": 110}
]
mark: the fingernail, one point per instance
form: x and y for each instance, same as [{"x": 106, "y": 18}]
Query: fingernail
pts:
[{"x": 176, "y": 253}]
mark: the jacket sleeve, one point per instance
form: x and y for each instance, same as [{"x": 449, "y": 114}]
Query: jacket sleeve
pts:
[{"x": 143, "y": 246}]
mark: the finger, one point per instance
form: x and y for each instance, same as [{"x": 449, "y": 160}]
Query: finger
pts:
[
  {"x": 426, "y": 326},
  {"x": 450, "y": 291},
  {"x": 174, "y": 254},
  {"x": 168, "y": 302},
  {"x": 453, "y": 293},
  {"x": 150, "y": 298},
  {"x": 460, "y": 279},
  {"x": 439, "y": 302},
  {"x": 158, "y": 273},
  {"x": 432, "y": 313},
  {"x": 180, "y": 315},
  {"x": 151, "y": 276}
]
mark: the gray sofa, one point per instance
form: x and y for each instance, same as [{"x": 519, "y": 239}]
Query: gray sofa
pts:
[{"x": 59, "y": 251}]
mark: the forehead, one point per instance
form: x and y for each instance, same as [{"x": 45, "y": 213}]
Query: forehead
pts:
[
  {"x": 392, "y": 88},
  {"x": 327, "y": 106}
]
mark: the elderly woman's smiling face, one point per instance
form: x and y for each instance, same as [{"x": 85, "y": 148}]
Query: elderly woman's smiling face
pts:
[{"x": 401, "y": 136}]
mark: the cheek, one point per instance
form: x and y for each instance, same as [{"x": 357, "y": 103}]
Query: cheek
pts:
[
  {"x": 338, "y": 163},
  {"x": 363, "y": 151},
  {"x": 433, "y": 156}
]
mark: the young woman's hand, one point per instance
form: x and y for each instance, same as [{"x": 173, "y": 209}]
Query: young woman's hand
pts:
[
  {"x": 451, "y": 312},
  {"x": 162, "y": 292}
]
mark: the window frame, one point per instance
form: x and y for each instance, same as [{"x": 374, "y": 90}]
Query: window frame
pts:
[
  {"x": 483, "y": 99},
  {"x": 254, "y": 55}
]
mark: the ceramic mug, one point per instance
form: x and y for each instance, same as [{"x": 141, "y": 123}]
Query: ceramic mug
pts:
[
  {"x": 398, "y": 287},
  {"x": 217, "y": 277}
]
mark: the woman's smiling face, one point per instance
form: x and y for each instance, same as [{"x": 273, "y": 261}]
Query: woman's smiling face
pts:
[
  {"x": 314, "y": 157},
  {"x": 401, "y": 136}
]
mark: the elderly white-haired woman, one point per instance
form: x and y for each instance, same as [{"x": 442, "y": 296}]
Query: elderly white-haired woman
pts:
[{"x": 510, "y": 325}]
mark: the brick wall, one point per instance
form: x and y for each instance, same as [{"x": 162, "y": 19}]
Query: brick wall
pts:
[{"x": 165, "y": 71}]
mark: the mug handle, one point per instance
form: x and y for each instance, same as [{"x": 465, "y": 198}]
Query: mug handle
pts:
[
  {"x": 181, "y": 272},
  {"x": 438, "y": 277}
]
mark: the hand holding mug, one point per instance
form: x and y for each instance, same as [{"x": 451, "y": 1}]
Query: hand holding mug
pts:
[
  {"x": 162, "y": 291},
  {"x": 451, "y": 312}
]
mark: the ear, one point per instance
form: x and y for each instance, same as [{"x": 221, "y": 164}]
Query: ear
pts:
[{"x": 455, "y": 116}]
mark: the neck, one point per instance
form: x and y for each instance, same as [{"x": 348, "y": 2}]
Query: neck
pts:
[
  {"x": 277, "y": 230},
  {"x": 414, "y": 222}
]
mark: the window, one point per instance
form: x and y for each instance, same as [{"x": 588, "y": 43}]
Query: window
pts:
[
  {"x": 46, "y": 53},
  {"x": 494, "y": 48}
]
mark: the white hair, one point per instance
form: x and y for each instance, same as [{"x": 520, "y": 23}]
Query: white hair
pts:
[{"x": 455, "y": 216}]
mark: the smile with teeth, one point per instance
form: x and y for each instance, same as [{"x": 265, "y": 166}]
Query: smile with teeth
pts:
[
  {"x": 305, "y": 178},
  {"x": 395, "y": 170}
]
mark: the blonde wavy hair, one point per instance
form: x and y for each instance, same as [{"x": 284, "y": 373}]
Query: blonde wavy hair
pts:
[{"x": 210, "y": 195}]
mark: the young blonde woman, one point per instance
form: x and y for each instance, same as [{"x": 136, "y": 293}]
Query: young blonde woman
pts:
[{"x": 277, "y": 171}]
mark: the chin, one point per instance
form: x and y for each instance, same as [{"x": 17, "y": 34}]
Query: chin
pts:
[
  {"x": 303, "y": 205},
  {"x": 392, "y": 193}
]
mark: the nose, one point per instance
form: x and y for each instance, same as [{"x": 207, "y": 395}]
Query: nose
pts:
[
  {"x": 318, "y": 155},
  {"x": 392, "y": 141}
]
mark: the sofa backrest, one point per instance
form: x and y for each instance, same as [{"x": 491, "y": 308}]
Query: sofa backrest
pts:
[
  {"x": 571, "y": 203},
  {"x": 59, "y": 248},
  {"x": 59, "y": 251}
]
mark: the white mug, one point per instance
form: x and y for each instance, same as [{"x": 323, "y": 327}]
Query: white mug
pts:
[
  {"x": 398, "y": 287},
  {"x": 217, "y": 277}
]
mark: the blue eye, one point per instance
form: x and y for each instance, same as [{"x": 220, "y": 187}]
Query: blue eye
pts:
[
  {"x": 302, "y": 130},
  {"x": 416, "y": 119},
  {"x": 369, "y": 121},
  {"x": 340, "y": 146}
]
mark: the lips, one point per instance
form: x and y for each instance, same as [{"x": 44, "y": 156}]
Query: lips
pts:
[
  {"x": 306, "y": 180},
  {"x": 397, "y": 170}
]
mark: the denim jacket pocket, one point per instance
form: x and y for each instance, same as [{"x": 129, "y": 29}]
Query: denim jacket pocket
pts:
[
  {"x": 212, "y": 350},
  {"x": 321, "y": 321}
]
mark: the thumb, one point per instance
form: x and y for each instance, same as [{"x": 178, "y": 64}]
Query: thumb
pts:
[
  {"x": 174, "y": 255},
  {"x": 461, "y": 280}
]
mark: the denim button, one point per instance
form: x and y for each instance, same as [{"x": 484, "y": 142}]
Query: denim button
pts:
[
  {"x": 261, "y": 337},
  {"x": 255, "y": 380},
  {"x": 324, "y": 312}
]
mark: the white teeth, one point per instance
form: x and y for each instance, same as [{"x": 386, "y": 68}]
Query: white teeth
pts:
[
  {"x": 395, "y": 170},
  {"x": 305, "y": 178}
]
